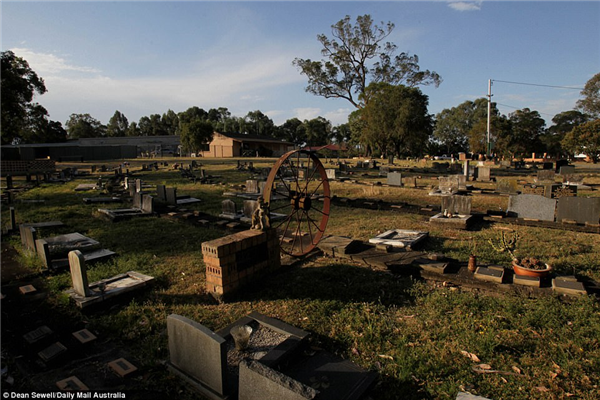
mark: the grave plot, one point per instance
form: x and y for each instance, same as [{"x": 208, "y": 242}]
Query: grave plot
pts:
[
  {"x": 169, "y": 196},
  {"x": 266, "y": 360},
  {"x": 86, "y": 295},
  {"x": 456, "y": 213},
  {"x": 400, "y": 238},
  {"x": 96, "y": 200},
  {"x": 87, "y": 186},
  {"x": 28, "y": 232},
  {"x": 143, "y": 206},
  {"x": 54, "y": 250}
]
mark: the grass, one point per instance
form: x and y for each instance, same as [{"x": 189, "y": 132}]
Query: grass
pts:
[{"x": 412, "y": 333}]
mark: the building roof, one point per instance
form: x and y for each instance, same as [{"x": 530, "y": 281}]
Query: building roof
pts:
[
  {"x": 244, "y": 137},
  {"x": 332, "y": 147}
]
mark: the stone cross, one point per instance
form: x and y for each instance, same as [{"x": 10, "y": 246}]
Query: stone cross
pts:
[{"x": 79, "y": 273}]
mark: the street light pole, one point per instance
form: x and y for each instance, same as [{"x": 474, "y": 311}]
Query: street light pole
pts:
[{"x": 489, "y": 114}]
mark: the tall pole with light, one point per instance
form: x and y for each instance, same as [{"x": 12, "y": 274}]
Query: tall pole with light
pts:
[{"x": 489, "y": 115}]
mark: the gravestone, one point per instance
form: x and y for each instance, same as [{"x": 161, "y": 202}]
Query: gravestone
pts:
[
  {"x": 466, "y": 169},
  {"x": 583, "y": 210},
  {"x": 125, "y": 183},
  {"x": 343, "y": 167},
  {"x": 252, "y": 186},
  {"x": 566, "y": 170},
  {"x": 249, "y": 207},
  {"x": 534, "y": 189},
  {"x": 137, "y": 200},
  {"x": 394, "y": 179},
  {"x": 448, "y": 185},
  {"x": 546, "y": 175},
  {"x": 506, "y": 185},
  {"x": 79, "y": 273},
  {"x": 460, "y": 205},
  {"x": 147, "y": 204},
  {"x": 228, "y": 209},
  {"x": 410, "y": 181},
  {"x": 161, "y": 192},
  {"x": 531, "y": 206},
  {"x": 9, "y": 182},
  {"x": 482, "y": 174},
  {"x": 261, "y": 186},
  {"x": 171, "y": 195},
  {"x": 330, "y": 172},
  {"x": 138, "y": 185},
  {"x": 559, "y": 164},
  {"x": 197, "y": 352},
  {"x": 13, "y": 220}
]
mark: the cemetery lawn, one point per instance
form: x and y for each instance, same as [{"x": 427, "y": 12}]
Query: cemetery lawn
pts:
[{"x": 425, "y": 340}]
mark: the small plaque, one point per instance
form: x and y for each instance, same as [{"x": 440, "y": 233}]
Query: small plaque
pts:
[
  {"x": 84, "y": 336},
  {"x": 527, "y": 280},
  {"x": 72, "y": 384},
  {"x": 568, "y": 287},
  {"x": 38, "y": 334},
  {"x": 28, "y": 289},
  {"x": 489, "y": 274},
  {"x": 52, "y": 352},
  {"x": 122, "y": 367}
]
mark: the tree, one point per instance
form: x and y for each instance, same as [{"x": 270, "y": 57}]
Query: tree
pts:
[
  {"x": 19, "y": 85},
  {"x": 356, "y": 56},
  {"x": 292, "y": 132},
  {"x": 145, "y": 126},
  {"x": 195, "y": 134},
  {"x": 526, "y": 128},
  {"x": 316, "y": 131},
  {"x": 585, "y": 139},
  {"x": 396, "y": 119},
  {"x": 258, "y": 123},
  {"x": 117, "y": 125},
  {"x": 591, "y": 101},
  {"x": 133, "y": 130},
  {"x": 341, "y": 133},
  {"x": 170, "y": 122},
  {"x": 84, "y": 126},
  {"x": 564, "y": 123}
]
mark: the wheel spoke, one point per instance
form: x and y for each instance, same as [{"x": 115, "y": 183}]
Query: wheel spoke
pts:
[
  {"x": 309, "y": 230},
  {"x": 319, "y": 211},
  {"x": 279, "y": 208},
  {"x": 317, "y": 188},
  {"x": 288, "y": 219},
  {"x": 314, "y": 223}
]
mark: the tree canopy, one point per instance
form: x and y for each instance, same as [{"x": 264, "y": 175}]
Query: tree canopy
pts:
[
  {"x": 18, "y": 85},
  {"x": 591, "y": 97},
  {"x": 195, "y": 134},
  {"x": 355, "y": 56},
  {"x": 585, "y": 139},
  {"x": 396, "y": 120},
  {"x": 84, "y": 126}
]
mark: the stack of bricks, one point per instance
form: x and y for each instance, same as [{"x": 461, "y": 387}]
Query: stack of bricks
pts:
[{"x": 235, "y": 260}]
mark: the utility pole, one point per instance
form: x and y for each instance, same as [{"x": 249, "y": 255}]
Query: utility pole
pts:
[{"x": 489, "y": 114}]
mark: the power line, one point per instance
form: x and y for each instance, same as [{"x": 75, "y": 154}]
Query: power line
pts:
[{"x": 535, "y": 84}]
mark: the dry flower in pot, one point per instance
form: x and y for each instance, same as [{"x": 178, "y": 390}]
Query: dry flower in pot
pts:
[{"x": 527, "y": 266}]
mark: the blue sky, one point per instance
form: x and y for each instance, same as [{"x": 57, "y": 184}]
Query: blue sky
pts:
[{"x": 143, "y": 58}]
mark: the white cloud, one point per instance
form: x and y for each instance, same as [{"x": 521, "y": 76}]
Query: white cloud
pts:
[
  {"x": 465, "y": 5},
  {"x": 46, "y": 63},
  {"x": 307, "y": 113},
  {"x": 339, "y": 116}
]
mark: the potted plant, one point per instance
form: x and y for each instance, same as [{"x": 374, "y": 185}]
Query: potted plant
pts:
[{"x": 526, "y": 266}]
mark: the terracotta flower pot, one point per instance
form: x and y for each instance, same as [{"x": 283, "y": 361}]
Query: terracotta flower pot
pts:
[{"x": 520, "y": 270}]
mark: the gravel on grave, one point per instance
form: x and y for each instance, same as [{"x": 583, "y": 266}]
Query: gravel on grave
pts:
[{"x": 262, "y": 340}]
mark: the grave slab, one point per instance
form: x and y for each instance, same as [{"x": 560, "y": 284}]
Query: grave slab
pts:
[
  {"x": 568, "y": 286},
  {"x": 52, "y": 352},
  {"x": 489, "y": 274},
  {"x": 84, "y": 336},
  {"x": 258, "y": 382},
  {"x": 72, "y": 384},
  {"x": 122, "y": 367},
  {"x": 507, "y": 185},
  {"x": 96, "y": 200},
  {"x": 432, "y": 265},
  {"x": 335, "y": 246},
  {"x": 455, "y": 222},
  {"x": 27, "y": 289},
  {"x": 534, "y": 281},
  {"x": 400, "y": 238},
  {"x": 38, "y": 335}
]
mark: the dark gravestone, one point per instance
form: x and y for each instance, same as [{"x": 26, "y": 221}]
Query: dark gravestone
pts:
[
  {"x": 460, "y": 205},
  {"x": 506, "y": 185},
  {"x": 531, "y": 206},
  {"x": 258, "y": 381},
  {"x": 580, "y": 209},
  {"x": 9, "y": 182},
  {"x": 161, "y": 192},
  {"x": 559, "y": 164},
  {"x": 546, "y": 175},
  {"x": 137, "y": 200},
  {"x": 394, "y": 179},
  {"x": 228, "y": 209},
  {"x": 566, "y": 170},
  {"x": 171, "y": 195},
  {"x": 147, "y": 204}
]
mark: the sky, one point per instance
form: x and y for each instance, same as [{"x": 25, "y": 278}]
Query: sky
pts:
[{"x": 145, "y": 58}]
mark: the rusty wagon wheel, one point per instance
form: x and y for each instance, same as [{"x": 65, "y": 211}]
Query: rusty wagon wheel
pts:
[{"x": 297, "y": 196}]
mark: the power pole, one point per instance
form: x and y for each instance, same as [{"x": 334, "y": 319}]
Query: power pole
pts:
[{"x": 489, "y": 114}]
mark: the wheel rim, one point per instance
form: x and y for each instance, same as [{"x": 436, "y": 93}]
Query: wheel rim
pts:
[{"x": 304, "y": 201}]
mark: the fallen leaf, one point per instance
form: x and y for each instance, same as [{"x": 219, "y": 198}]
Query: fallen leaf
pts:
[
  {"x": 386, "y": 356},
  {"x": 354, "y": 351},
  {"x": 542, "y": 389},
  {"x": 516, "y": 369},
  {"x": 553, "y": 375},
  {"x": 484, "y": 366},
  {"x": 472, "y": 356},
  {"x": 503, "y": 380}
]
